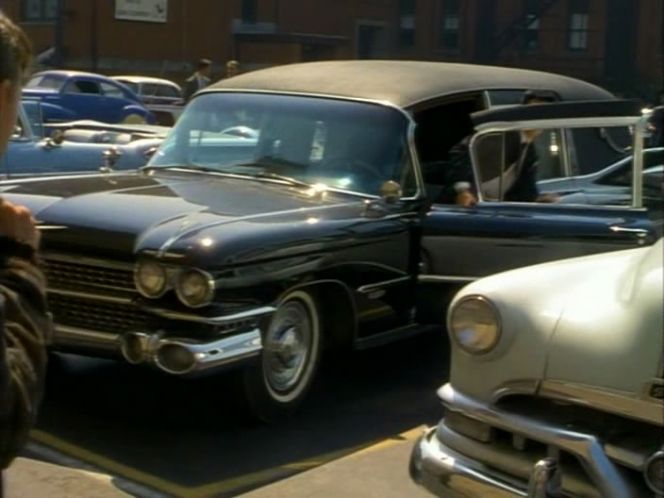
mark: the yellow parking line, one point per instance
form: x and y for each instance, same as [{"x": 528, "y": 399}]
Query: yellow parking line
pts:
[{"x": 215, "y": 488}]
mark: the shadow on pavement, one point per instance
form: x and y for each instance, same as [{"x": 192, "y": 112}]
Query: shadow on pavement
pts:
[{"x": 194, "y": 437}]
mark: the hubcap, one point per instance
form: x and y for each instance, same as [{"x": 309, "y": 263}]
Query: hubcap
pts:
[{"x": 287, "y": 346}]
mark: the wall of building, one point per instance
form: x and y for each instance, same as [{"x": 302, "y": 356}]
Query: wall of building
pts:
[{"x": 284, "y": 31}]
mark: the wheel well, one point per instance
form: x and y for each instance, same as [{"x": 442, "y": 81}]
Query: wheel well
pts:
[{"x": 337, "y": 312}]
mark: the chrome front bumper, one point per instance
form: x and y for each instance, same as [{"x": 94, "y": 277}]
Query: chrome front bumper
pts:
[
  {"x": 447, "y": 473},
  {"x": 174, "y": 353},
  {"x": 450, "y": 464}
]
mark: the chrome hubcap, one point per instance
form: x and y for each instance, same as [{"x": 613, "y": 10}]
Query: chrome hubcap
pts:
[{"x": 287, "y": 346}]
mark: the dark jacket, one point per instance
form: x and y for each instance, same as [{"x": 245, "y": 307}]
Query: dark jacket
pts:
[{"x": 25, "y": 330}]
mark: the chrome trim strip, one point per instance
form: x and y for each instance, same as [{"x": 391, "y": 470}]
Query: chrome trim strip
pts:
[
  {"x": 85, "y": 260},
  {"x": 613, "y": 402},
  {"x": 637, "y": 164},
  {"x": 586, "y": 447},
  {"x": 515, "y": 387},
  {"x": 445, "y": 279},
  {"x": 74, "y": 336},
  {"x": 91, "y": 297},
  {"x": 547, "y": 124},
  {"x": 365, "y": 289},
  {"x": 212, "y": 320}
]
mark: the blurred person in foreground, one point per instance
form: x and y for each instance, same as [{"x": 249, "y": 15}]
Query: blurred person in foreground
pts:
[{"x": 25, "y": 326}]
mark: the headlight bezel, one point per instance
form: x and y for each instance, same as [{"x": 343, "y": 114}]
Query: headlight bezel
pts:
[
  {"x": 209, "y": 290},
  {"x": 139, "y": 284},
  {"x": 454, "y": 332}
]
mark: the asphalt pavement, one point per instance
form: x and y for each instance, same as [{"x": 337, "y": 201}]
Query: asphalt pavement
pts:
[{"x": 164, "y": 436}]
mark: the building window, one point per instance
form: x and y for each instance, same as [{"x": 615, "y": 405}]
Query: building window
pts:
[
  {"x": 531, "y": 25},
  {"x": 249, "y": 11},
  {"x": 449, "y": 32},
  {"x": 577, "y": 34},
  {"x": 40, "y": 10},
  {"x": 407, "y": 23}
]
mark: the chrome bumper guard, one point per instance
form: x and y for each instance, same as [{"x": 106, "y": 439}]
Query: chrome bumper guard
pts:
[{"x": 446, "y": 472}]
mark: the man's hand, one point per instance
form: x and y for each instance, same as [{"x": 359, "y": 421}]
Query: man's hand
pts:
[
  {"x": 466, "y": 199},
  {"x": 17, "y": 223}
]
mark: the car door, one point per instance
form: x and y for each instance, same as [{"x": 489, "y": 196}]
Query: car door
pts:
[
  {"x": 84, "y": 97},
  {"x": 461, "y": 244}
]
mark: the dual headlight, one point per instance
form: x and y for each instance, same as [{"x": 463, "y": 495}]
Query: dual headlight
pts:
[
  {"x": 194, "y": 288},
  {"x": 474, "y": 324}
]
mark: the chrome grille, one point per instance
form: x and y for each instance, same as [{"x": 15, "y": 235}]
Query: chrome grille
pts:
[
  {"x": 91, "y": 277},
  {"x": 115, "y": 318}
]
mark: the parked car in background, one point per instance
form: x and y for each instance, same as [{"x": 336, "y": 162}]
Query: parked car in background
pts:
[
  {"x": 556, "y": 384},
  {"x": 287, "y": 212},
  {"x": 31, "y": 153},
  {"x": 72, "y": 95},
  {"x": 162, "y": 97}
]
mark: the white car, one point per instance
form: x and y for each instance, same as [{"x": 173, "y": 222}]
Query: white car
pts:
[
  {"x": 161, "y": 96},
  {"x": 556, "y": 383}
]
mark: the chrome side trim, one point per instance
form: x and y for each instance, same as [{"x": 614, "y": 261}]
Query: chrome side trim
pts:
[
  {"x": 586, "y": 447},
  {"x": 211, "y": 320},
  {"x": 445, "y": 279},
  {"x": 91, "y": 297},
  {"x": 515, "y": 387},
  {"x": 365, "y": 289},
  {"x": 613, "y": 402}
]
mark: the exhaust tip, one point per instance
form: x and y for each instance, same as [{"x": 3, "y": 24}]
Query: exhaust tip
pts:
[
  {"x": 133, "y": 348},
  {"x": 175, "y": 358}
]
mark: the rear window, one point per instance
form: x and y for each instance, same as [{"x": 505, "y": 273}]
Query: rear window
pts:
[{"x": 45, "y": 81}]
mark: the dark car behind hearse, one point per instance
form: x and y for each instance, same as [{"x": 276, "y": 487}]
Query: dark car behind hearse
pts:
[{"x": 321, "y": 229}]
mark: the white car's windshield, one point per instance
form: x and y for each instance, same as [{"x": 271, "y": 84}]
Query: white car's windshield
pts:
[{"x": 345, "y": 145}]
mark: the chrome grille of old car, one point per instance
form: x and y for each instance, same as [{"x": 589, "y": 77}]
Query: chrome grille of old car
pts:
[
  {"x": 111, "y": 317},
  {"x": 89, "y": 276},
  {"x": 93, "y": 294}
]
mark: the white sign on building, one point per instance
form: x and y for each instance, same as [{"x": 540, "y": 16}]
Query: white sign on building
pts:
[{"x": 142, "y": 10}]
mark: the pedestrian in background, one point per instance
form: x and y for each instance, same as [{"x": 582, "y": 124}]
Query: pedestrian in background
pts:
[
  {"x": 199, "y": 80},
  {"x": 25, "y": 326}
]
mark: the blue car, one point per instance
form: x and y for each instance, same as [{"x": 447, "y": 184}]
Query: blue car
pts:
[
  {"x": 31, "y": 152},
  {"x": 72, "y": 95}
]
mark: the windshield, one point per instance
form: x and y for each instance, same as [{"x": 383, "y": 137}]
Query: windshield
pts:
[{"x": 344, "y": 145}]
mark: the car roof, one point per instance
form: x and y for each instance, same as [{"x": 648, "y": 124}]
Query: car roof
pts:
[
  {"x": 65, "y": 73},
  {"x": 145, "y": 79},
  {"x": 403, "y": 83}
]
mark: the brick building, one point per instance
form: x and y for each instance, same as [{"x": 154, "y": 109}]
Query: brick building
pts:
[{"x": 615, "y": 43}]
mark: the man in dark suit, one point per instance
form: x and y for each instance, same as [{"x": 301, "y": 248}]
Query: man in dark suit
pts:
[{"x": 199, "y": 80}]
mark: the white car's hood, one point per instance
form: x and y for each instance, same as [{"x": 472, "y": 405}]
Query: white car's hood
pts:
[{"x": 609, "y": 336}]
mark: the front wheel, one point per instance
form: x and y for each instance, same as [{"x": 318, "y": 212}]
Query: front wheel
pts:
[{"x": 291, "y": 352}]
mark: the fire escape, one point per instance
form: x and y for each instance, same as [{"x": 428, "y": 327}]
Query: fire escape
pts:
[{"x": 517, "y": 29}]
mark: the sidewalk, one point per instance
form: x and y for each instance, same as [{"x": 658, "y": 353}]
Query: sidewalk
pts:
[{"x": 28, "y": 478}]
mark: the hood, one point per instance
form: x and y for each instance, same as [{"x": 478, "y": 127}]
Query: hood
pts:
[
  {"x": 609, "y": 337},
  {"x": 594, "y": 320},
  {"x": 172, "y": 212}
]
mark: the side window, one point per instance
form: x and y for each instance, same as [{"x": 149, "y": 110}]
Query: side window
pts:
[
  {"x": 82, "y": 86},
  {"x": 149, "y": 89},
  {"x": 167, "y": 91},
  {"x": 112, "y": 90}
]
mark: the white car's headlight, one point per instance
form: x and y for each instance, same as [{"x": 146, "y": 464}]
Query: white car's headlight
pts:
[
  {"x": 151, "y": 279},
  {"x": 474, "y": 324},
  {"x": 195, "y": 288}
]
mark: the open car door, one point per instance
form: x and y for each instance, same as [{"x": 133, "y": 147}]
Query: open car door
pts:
[{"x": 533, "y": 206}]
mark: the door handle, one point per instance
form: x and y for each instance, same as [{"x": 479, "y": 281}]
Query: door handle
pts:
[{"x": 638, "y": 232}]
